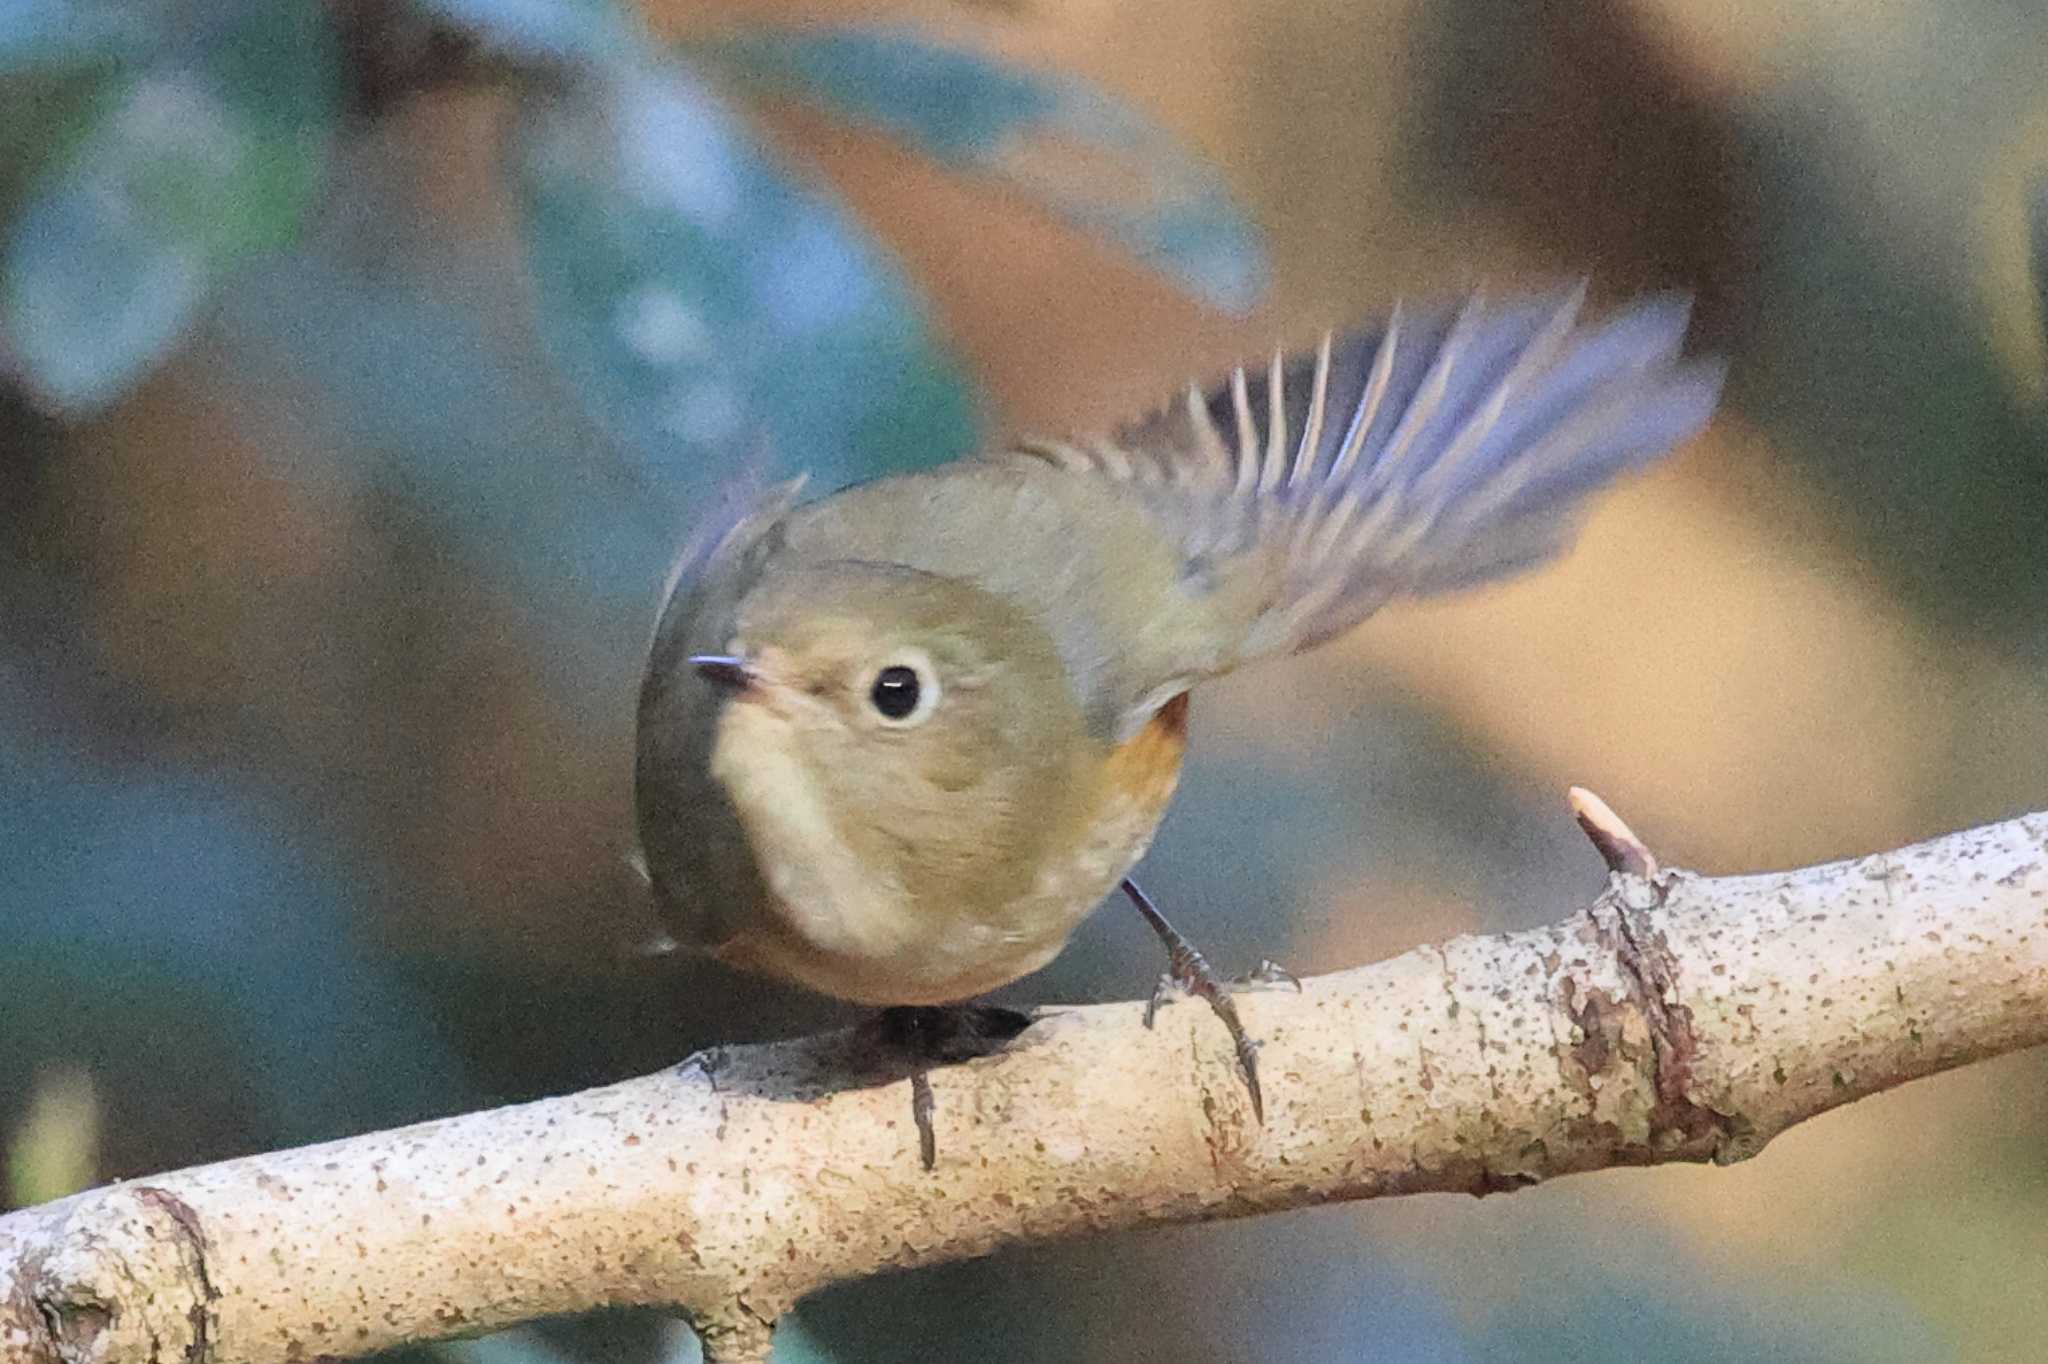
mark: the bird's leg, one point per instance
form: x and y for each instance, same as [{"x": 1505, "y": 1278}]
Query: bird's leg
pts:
[
  {"x": 938, "y": 1035},
  {"x": 1189, "y": 972},
  {"x": 922, "y": 1106}
]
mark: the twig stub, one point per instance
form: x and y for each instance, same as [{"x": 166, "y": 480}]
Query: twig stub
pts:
[{"x": 1616, "y": 842}]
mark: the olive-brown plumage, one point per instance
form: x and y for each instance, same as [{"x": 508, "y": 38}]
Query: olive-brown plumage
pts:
[{"x": 896, "y": 742}]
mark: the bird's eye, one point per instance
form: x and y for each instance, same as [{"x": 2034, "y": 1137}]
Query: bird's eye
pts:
[
  {"x": 904, "y": 692},
  {"x": 896, "y": 692}
]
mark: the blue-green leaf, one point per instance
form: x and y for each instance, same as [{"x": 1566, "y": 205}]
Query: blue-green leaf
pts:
[
  {"x": 499, "y": 464},
  {"x": 598, "y": 31},
  {"x": 705, "y": 301},
  {"x": 141, "y": 902},
  {"x": 189, "y": 165},
  {"x": 38, "y": 34},
  {"x": 1095, "y": 162}
]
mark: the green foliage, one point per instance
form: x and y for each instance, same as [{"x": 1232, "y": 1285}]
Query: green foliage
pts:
[
  {"x": 697, "y": 291},
  {"x": 702, "y": 298},
  {"x": 191, "y": 160},
  {"x": 149, "y": 909}
]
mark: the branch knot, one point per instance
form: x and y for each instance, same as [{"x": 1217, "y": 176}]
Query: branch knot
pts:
[
  {"x": 126, "y": 1277},
  {"x": 1626, "y": 921}
]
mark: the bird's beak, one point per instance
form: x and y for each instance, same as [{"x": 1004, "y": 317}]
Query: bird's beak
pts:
[{"x": 731, "y": 673}]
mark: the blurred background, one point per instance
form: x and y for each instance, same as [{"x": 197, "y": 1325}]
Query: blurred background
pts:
[{"x": 362, "y": 364}]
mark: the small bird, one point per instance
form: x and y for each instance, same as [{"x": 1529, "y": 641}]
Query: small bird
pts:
[{"x": 895, "y": 743}]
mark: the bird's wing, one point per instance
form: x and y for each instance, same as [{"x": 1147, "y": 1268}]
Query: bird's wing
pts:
[
  {"x": 692, "y": 849},
  {"x": 1442, "y": 450}
]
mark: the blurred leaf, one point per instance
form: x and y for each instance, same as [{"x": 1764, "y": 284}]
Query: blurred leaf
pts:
[
  {"x": 520, "y": 1345},
  {"x": 1093, "y": 161},
  {"x": 49, "y": 111},
  {"x": 200, "y": 160},
  {"x": 702, "y": 299},
  {"x": 1883, "y": 384},
  {"x": 489, "y": 461},
  {"x": 1596, "y": 1313},
  {"x": 793, "y": 1345},
  {"x": 1297, "y": 1287},
  {"x": 146, "y": 910},
  {"x": 55, "y": 1150},
  {"x": 44, "y": 33},
  {"x": 597, "y": 31}
]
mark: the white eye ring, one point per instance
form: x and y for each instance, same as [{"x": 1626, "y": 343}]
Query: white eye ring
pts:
[{"x": 904, "y": 691}]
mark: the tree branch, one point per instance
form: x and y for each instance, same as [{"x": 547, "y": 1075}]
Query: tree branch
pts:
[{"x": 1677, "y": 1018}]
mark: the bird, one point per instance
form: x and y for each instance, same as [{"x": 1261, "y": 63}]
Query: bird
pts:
[{"x": 895, "y": 742}]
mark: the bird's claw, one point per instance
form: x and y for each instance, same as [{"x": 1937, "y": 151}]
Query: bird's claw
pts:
[
  {"x": 1198, "y": 980},
  {"x": 1188, "y": 973},
  {"x": 1268, "y": 975},
  {"x": 1166, "y": 992}
]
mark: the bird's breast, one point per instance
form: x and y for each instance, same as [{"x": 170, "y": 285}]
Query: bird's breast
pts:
[{"x": 839, "y": 924}]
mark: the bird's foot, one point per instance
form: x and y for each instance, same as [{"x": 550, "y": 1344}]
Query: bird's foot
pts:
[
  {"x": 1188, "y": 973},
  {"x": 943, "y": 1035},
  {"x": 1268, "y": 975}
]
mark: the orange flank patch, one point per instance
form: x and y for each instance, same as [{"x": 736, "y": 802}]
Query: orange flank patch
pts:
[{"x": 1145, "y": 766}]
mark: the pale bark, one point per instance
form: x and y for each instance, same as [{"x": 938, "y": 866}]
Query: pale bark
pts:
[{"x": 1677, "y": 1018}]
